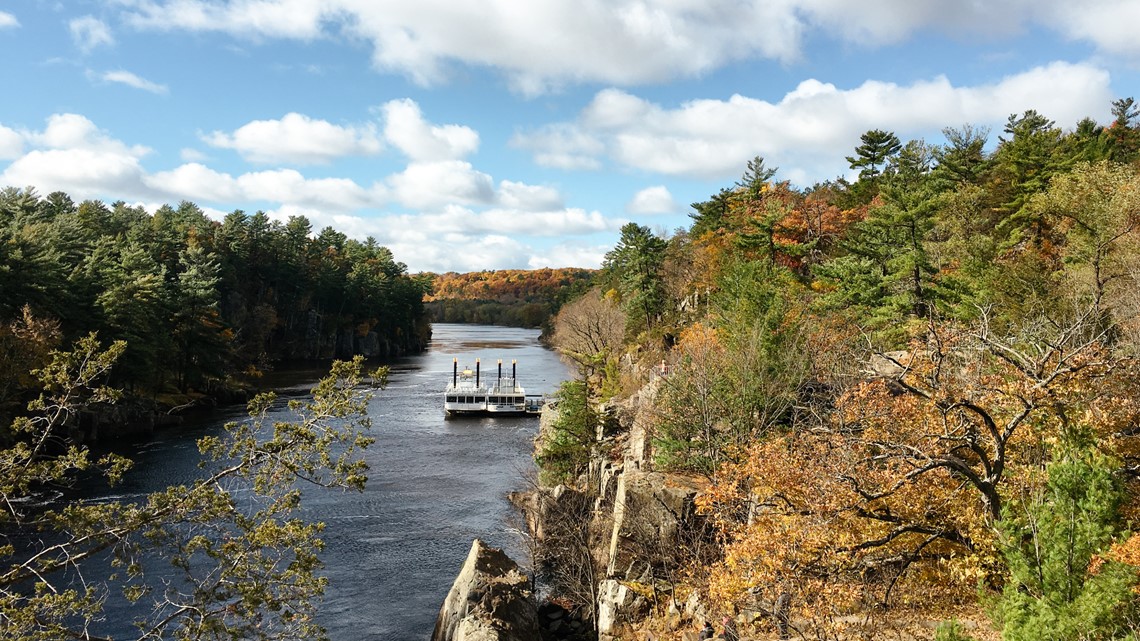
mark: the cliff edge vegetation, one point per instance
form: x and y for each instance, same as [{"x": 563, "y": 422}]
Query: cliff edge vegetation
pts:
[{"x": 904, "y": 404}]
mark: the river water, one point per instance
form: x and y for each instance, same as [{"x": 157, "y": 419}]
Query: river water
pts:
[{"x": 435, "y": 484}]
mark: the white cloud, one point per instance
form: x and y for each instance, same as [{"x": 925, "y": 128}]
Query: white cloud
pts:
[
  {"x": 462, "y": 238},
  {"x": 90, "y": 33},
  {"x": 193, "y": 178},
  {"x": 407, "y": 130},
  {"x": 298, "y": 139},
  {"x": 11, "y": 143},
  {"x": 517, "y": 195},
  {"x": 189, "y": 154},
  {"x": 809, "y": 131},
  {"x": 82, "y": 173},
  {"x": 652, "y": 200},
  {"x": 8, "y": 20},
  {"x": 287, "y": 185},
  {"x": 297, "y": 19},
  {"x": 570, "y": 255},
  {"x": 194, "y": 181},
  {"x": 430, "y": 185},
  {"x": 73, "y": 131},
  {"x": 1111, "y": 24},
  {"x": 562, "y": 146},
  {"x": 131, "y": 80},
  {"x": 71, "y": 154},
  {"x": 541, "y": 46}
]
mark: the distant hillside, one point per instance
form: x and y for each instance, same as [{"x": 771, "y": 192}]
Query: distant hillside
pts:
[{"x": 515, "y": 297}]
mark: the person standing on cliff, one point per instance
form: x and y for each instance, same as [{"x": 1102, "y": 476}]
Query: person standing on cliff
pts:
[
  {"x": 730, "y": 630},
  {"x": 730, "y": 633}
]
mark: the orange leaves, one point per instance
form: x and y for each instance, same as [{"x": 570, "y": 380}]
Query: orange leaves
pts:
[
  {"x": 814, "y": 514},
  {"x": 506, "y": 285},
  {"x": 897, "y": 490}
]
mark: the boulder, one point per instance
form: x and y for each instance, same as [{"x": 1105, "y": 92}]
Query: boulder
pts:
[
  {"x": 490, "y": 600},
  {"x": 617, "y": 601}
]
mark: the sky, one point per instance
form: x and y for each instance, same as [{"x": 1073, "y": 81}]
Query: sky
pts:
[{"x": 496, "y": 134}]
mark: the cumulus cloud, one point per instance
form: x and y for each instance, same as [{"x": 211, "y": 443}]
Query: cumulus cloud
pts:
[
  {"x": 296, "y": 138},
  {"x": 521, "y": 196},
  {"x": 131, "y": 80},
  {"x": 297, "y": 19},
  {"x": 89, "y": 33},
  {"x": 430, "y": 185},
  {"x": 542, "y": 46},
  {"x": 82, "y": 173},
  {"x": 409, "y": 132},
  {"x": 452, "y": 241},
  {"x": 652, "y": 200},
  {"x": 8, "y": 21},
  {"x": 72, "y": 154},
  {"x": 194, "y": 181},
  {"x": 11, "y": 143},
  {"x": 561, "y": 146},
  {"x": 189, "y": 154},
  {"x": 1110, "y": 24},
  {"x": 74, "y": 131},
  {"x": 570, "y": 255},
  {"x": 817, "y": 123}
]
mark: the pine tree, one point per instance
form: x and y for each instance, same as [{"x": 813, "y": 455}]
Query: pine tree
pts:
[{"x": 1051, "y": 541}]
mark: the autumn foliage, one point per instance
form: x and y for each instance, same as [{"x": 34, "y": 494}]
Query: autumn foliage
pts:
[{"x": 891, "y": 384}]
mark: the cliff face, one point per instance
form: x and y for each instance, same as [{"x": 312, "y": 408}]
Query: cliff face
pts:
[
  {"x": 639, "y": 517},
  {"x": 489, "y": 601}
]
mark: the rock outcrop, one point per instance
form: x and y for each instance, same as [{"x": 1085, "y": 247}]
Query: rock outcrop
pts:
[
  {"x": 635, "y": 518},
  {"x": 490, "y": 600}
]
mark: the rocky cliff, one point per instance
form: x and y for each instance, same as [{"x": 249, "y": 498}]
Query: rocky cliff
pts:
[
  {"x": 489, "y": 601},
  {"x": 635, "y": 522}
]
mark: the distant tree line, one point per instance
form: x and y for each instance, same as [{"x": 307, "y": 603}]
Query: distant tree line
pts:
[
  {"x": 510, "y": 297},
  {"x": 198, "y": 302}
]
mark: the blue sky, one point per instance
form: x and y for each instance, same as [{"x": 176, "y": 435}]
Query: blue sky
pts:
[{"x": 500, "y": 134}]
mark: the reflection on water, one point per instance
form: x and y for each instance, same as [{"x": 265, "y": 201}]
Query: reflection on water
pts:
[{"x": 393, "y": 550}]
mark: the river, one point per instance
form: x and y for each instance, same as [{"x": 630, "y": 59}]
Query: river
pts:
[{"x": 435, "y": 484}]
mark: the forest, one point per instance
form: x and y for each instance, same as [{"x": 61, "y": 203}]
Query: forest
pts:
[
  {"x": 910, "y": 396},
  {"x": 203, "y": 307},
  {"x": 510, "y": 297}
]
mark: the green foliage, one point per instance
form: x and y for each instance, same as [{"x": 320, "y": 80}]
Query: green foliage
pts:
[
  {"x": 564, "y": 453},
  {"x": 951, "y": 631},
  {"x": 1051, "y": 541},
  {"x": 636, "y": 264},
  {"x": 736, "y": 383},
  {"x": 872, "y": 158},
  {"x": 199, "y": 302},
  {"x": 241, "y": 563}
]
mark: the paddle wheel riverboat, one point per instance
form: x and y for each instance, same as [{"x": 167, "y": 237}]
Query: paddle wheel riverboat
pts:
[{"x": 502, "y": 396}]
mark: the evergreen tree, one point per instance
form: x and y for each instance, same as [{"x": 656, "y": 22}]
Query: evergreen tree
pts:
[
  {"x": 1051, "y": 541},
  {"x": 636, "y": 264},
  {"x": 201, "y": 340},
  {"x": 565, "y": 454},
  {"x": 1124, "y": 134},
  {"x": 1026, "y": 159},
  {"x": 711, "y": 215},
  {"x": 874, "y": 154}
]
